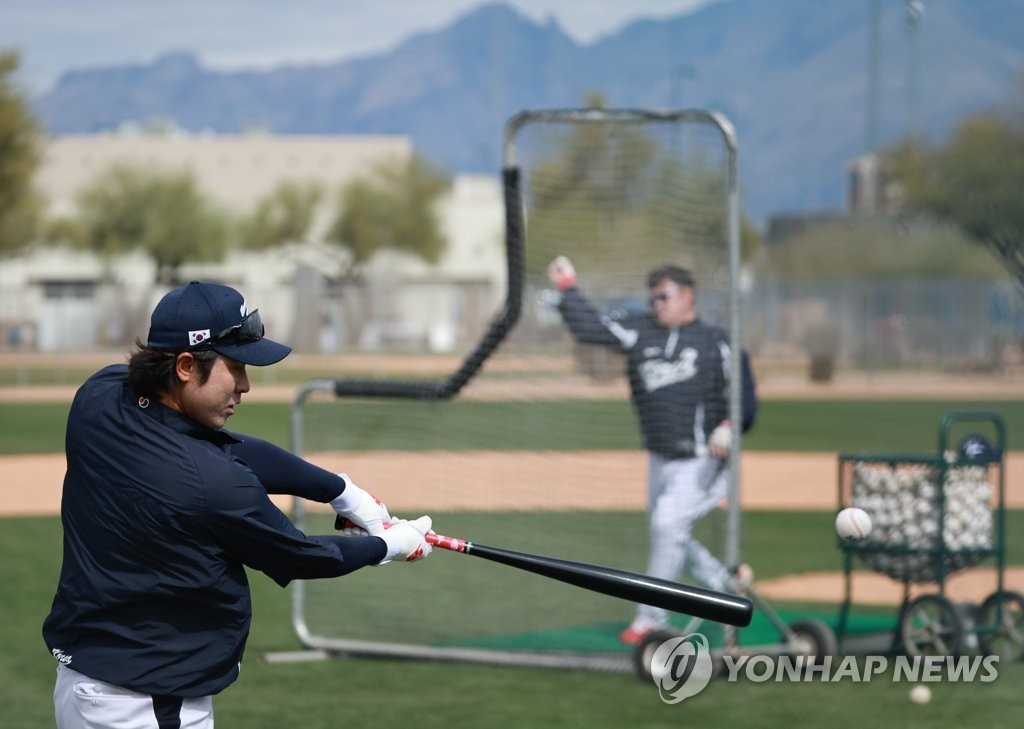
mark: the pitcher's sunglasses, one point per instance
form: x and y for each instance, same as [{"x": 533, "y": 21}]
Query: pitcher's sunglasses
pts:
[
  {"x": 662, "y": 296},
  {"x": 250, "y": 329}
]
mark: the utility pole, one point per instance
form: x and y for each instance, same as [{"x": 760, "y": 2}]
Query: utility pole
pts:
[
  {"x": 914, "y": 14},
  {"x": 874, "y": 29}
]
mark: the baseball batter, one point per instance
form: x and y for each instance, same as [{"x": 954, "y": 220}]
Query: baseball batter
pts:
[
  {"x": 678, "y": 370},
  {"x": 163, "y": 509}
]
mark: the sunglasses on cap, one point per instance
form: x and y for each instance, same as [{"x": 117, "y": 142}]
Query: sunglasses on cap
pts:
[{"x": 250, "y": 329}]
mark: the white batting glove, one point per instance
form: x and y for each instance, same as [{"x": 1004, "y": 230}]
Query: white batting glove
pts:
[
  {"x": 367, "y": 511},
  {"x": 562, "y": 273},
  {"x": 406, "y": 540},
  {"x": 720, "y": 442}
]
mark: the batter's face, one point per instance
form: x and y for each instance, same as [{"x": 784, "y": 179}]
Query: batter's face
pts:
[
  {"x": 672, "y": 304},
  {"x": 212, "y": 402}
]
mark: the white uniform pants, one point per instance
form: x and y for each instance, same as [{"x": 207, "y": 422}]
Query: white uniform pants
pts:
[
  {"x": 81, "y": 702},
  {"x": 679, "y": 493}
]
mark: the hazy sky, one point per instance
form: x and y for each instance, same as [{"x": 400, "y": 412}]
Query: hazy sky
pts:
[{"x": 57, "y": 35}]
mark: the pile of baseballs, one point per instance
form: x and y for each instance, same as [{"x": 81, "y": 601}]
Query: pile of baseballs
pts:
[{"x": 902, "y": 501}]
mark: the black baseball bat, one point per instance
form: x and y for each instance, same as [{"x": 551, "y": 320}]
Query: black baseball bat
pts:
[{"x": 722, "y": 607}]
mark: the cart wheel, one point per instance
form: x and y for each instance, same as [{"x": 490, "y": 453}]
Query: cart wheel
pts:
[
  {"x": 812, "y": 638},
  {"x": 931, "y": 626},
  {"x": 644, "y": 652},
  {"x": 1000, "y": 625}
]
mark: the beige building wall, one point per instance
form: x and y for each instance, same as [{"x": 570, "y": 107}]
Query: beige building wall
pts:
[
  {"x": 234, "y": 170},
  {"x": 73, "y": 300}
]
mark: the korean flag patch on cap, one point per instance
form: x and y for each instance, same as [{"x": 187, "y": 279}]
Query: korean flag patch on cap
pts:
[{"x": 198, "y": 337}]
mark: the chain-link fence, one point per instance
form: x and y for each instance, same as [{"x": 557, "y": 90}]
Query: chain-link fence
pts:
[
  {"x": 897, "y": 324},
  {"x": 852, "y": 324}
]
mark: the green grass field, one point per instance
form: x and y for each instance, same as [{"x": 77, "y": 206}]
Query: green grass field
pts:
[
  {"x": 888, "y": 426},
  {"x": 365, "y": 692}
]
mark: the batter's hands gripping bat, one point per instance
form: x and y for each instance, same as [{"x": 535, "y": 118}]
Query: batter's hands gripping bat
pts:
[{"x": 722, "y": 607}]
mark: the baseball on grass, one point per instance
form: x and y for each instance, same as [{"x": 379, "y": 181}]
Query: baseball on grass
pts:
[
  {"x": 920, "y": 694},
  {"x": 853, "y": 524}
]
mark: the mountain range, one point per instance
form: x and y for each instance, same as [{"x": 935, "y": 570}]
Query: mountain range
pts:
[{"x": 793, "y": 76}]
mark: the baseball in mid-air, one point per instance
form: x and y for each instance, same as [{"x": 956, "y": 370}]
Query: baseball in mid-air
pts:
[{"x": 853, "y": 525}]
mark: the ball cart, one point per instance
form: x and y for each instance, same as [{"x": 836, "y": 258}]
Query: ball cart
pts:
[{"x": 933, "y": 516}]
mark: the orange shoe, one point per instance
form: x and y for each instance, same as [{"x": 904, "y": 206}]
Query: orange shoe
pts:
[{"x": 637, "y": 631}]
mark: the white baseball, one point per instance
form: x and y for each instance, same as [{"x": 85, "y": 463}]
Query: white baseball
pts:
[
  {"x": 853, "y": 524},
  {"x": 721, "y": 437},
  {"x": 920, "y": 694}
]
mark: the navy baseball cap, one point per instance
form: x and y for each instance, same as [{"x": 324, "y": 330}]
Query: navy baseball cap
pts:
[{"x": 204, "y": 316}]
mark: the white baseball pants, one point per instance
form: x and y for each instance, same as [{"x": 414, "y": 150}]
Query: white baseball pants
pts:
[
  {"x": 679, "y": 493},
  {"x": 81, "y": 702}
]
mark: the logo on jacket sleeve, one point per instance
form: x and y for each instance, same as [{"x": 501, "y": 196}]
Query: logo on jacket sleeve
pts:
[{"x": 198, "y": 337}]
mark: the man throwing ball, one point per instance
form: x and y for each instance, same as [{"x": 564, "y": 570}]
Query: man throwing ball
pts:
[
  {"x": 163, "y": 509},
  {"x": 678, "y": 369}
]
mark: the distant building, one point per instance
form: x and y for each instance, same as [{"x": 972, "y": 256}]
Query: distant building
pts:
[
  {"x": 870, "y": 191},
  {"x": 55, "y": 299},
  {"x": 869, "y": 194},
  {"x": 864, "y": 185},
  {"x": 234, "y": 170}
]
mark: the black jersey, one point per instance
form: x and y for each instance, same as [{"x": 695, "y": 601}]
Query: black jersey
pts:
[
  {"x": 679, "y": 378},
  {"x": 161, "y": 517}
]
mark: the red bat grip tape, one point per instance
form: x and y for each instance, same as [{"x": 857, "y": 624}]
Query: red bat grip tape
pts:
[{"x": 443, "y": 542}]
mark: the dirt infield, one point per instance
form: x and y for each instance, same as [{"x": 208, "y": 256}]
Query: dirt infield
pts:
[
  {"x": 31, "y": 484},
  {"x": 771, "y": 386},
  {"x": 872, "y": 588},
  {"x": 770, "y": 480}
]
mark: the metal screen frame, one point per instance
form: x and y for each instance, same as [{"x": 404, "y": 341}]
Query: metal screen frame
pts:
[{"x": 503, "y": 323}]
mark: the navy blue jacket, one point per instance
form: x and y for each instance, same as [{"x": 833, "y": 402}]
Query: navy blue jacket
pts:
[
  {"x": 161, "y": 516},
  {"x": 679, "y": 378}
]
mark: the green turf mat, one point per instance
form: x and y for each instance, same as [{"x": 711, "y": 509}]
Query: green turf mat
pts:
[{"x": 603, "y": 637}]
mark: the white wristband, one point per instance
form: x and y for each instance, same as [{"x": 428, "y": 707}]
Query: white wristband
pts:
[{"x": 349, "y": 499}]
